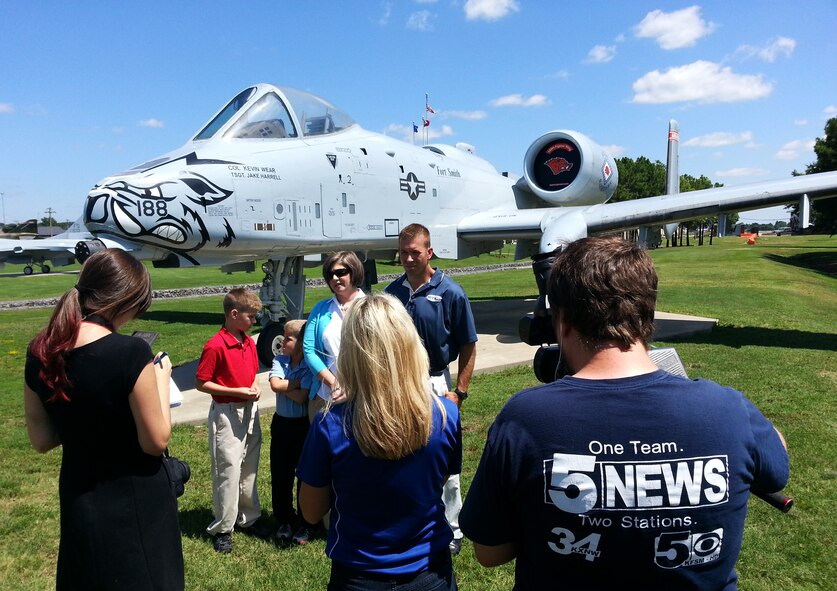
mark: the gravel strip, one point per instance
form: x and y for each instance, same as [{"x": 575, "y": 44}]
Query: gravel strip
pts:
[{"x": 191, "y": 292}]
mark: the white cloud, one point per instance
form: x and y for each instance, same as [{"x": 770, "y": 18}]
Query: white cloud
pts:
[
  {"x": 674, "y": 30},
  {"x": 155, "y": 123},
  {"x": 615, "y": 151},
  {"x": 719, "y": 138},
  {"x": 741, "y": 172},
  {"x": 791, "y": 150},
  {"x": 466, "y": 115},
  {"x": 406, "y": 131},
  {"x": 489, "y": 10},
  {"x": 518, "y": 100},
  {"x": 800, "y": 122},
  {"x": 830, "y": 111},
  {"x": 420, "y": 21},
  {"x": 384, "y": 18},
  {"x": 559, "y": 75},
  {"x": 771, "y": 52},
  {"x": 118, "y": 130},
  {"x": 701, "y": 81},
  {"x": 6, "y": 108},
  {"x": 437, "y": 132},
  {"x": 601, "y": 54}
]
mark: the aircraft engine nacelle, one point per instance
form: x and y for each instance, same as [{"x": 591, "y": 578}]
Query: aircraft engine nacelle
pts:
[
  {"x": 86, "y": 248},
  {"x": 568, "y": 168}
]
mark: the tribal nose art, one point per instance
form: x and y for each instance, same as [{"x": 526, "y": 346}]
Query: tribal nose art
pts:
[{"x": 161, "y": 213}]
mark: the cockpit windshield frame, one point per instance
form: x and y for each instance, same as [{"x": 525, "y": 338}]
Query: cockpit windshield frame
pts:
[{"x": 227, "y": 113}]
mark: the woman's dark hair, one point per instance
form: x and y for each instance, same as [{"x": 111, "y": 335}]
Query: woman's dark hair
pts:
[
  {"x": 349, "y": 260},
  {"x": 111, "y": 283}
]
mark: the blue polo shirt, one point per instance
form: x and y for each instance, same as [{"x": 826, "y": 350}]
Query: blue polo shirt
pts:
[{"x": 442, "y": 315}]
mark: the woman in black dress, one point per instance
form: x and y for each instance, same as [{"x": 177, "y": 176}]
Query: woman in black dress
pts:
[{"x": 99, "y": 396}]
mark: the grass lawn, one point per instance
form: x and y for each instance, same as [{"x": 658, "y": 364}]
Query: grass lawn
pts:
[{"x": 776, "y": 340}]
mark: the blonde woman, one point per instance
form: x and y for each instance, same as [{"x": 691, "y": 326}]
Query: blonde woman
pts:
[{"x": 379, "y": 461}]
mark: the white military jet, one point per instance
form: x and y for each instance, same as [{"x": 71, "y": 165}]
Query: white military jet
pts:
[
  {"x": 59, "y": 250},
  {"x": 281, "y": 174}
]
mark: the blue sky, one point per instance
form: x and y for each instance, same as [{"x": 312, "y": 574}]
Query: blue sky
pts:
[{"x": 88, "y": 89}]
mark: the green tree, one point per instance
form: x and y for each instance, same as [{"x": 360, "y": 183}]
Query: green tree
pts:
[
  {"x": 642, "y": 178},
  {"x": 639, "y": 178}
]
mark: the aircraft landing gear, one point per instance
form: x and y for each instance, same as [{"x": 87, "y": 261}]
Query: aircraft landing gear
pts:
[
  {"x": 29, "y": 269},
  {"x": 283, "y": 297},
  {"x": 270, "y": 342}
]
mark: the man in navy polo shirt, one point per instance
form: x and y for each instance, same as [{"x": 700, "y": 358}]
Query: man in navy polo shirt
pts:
[
  {"x": 621, "y": 475},
  {"x": 442, "y": 315}
]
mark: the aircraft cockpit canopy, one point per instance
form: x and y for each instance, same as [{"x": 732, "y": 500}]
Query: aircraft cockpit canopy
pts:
[{"x": 280, "y": 112}]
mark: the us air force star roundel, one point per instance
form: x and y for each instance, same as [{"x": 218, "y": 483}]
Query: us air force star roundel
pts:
[{"x": 412, "y": 186}]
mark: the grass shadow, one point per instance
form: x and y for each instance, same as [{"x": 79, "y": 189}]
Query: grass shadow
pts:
[
  {"x": 821, "y": 262},
  {"x": 193, "y": 522},
  {"x": 743, "y": 336}
]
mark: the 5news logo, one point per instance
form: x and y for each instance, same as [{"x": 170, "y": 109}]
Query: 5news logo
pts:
[{"x": 577, "y": 483}]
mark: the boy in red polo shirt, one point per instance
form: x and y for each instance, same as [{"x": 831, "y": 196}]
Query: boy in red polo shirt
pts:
[{"x": 227, "y": 371}]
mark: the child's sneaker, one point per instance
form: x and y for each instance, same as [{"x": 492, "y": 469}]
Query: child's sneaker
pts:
[
  {"x": 223, "y": 543},
  {"x": 303, "y": 535},
  {"x": 284, "y": 533}
]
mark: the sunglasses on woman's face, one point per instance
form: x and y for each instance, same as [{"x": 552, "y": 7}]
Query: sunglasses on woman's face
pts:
[{"x": 339, "y": 272}]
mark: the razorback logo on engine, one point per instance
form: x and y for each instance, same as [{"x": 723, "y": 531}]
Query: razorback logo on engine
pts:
[
  {"x": 412, "y": 186},
  {"x": 159, "y": 213},
  {"x": 558, "y": 165}
]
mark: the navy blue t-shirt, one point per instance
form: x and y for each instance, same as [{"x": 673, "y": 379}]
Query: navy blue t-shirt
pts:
[
  {"x": 442, "y": 315},
  {"x": 637, "y": 482}
]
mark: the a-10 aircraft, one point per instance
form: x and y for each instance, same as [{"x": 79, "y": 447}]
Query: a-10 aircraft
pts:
[{"x": 281, "y": 174}]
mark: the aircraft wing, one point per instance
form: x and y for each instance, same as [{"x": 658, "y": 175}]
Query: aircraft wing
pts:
[{"x": 556, "y": 225}]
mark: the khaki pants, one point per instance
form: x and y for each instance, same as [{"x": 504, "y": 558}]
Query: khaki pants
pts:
[{"x": 235, "y": 437}]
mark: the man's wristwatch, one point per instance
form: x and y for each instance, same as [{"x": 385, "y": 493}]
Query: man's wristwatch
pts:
[{"x": 461, "y": 394}]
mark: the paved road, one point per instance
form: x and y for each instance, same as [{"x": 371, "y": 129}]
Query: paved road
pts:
[{"x": 498, "y": 347}]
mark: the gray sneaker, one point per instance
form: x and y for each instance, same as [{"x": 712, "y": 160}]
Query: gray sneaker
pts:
[{"x": 455, "y": 546}]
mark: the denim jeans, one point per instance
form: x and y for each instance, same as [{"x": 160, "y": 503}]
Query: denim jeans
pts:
[{"x": 439, "y": 576}]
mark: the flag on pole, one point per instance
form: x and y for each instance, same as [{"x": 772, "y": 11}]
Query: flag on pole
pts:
[
  {"x": 415, "y": 128},
  {"x": 426, "y": 122},
  {"x": 430, "y": 109}
]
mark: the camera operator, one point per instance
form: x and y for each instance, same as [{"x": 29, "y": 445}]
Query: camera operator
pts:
[{"x": 620, "y": 474}]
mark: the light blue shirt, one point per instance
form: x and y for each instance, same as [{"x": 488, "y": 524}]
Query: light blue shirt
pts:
[{"x": 285, "y": 407}]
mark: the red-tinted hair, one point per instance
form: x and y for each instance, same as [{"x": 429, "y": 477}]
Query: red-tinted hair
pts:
[{"x": 111, "y": 283}]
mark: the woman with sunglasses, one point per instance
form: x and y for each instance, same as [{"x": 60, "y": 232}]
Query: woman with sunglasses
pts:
[{"x": 343, "y": 273}]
